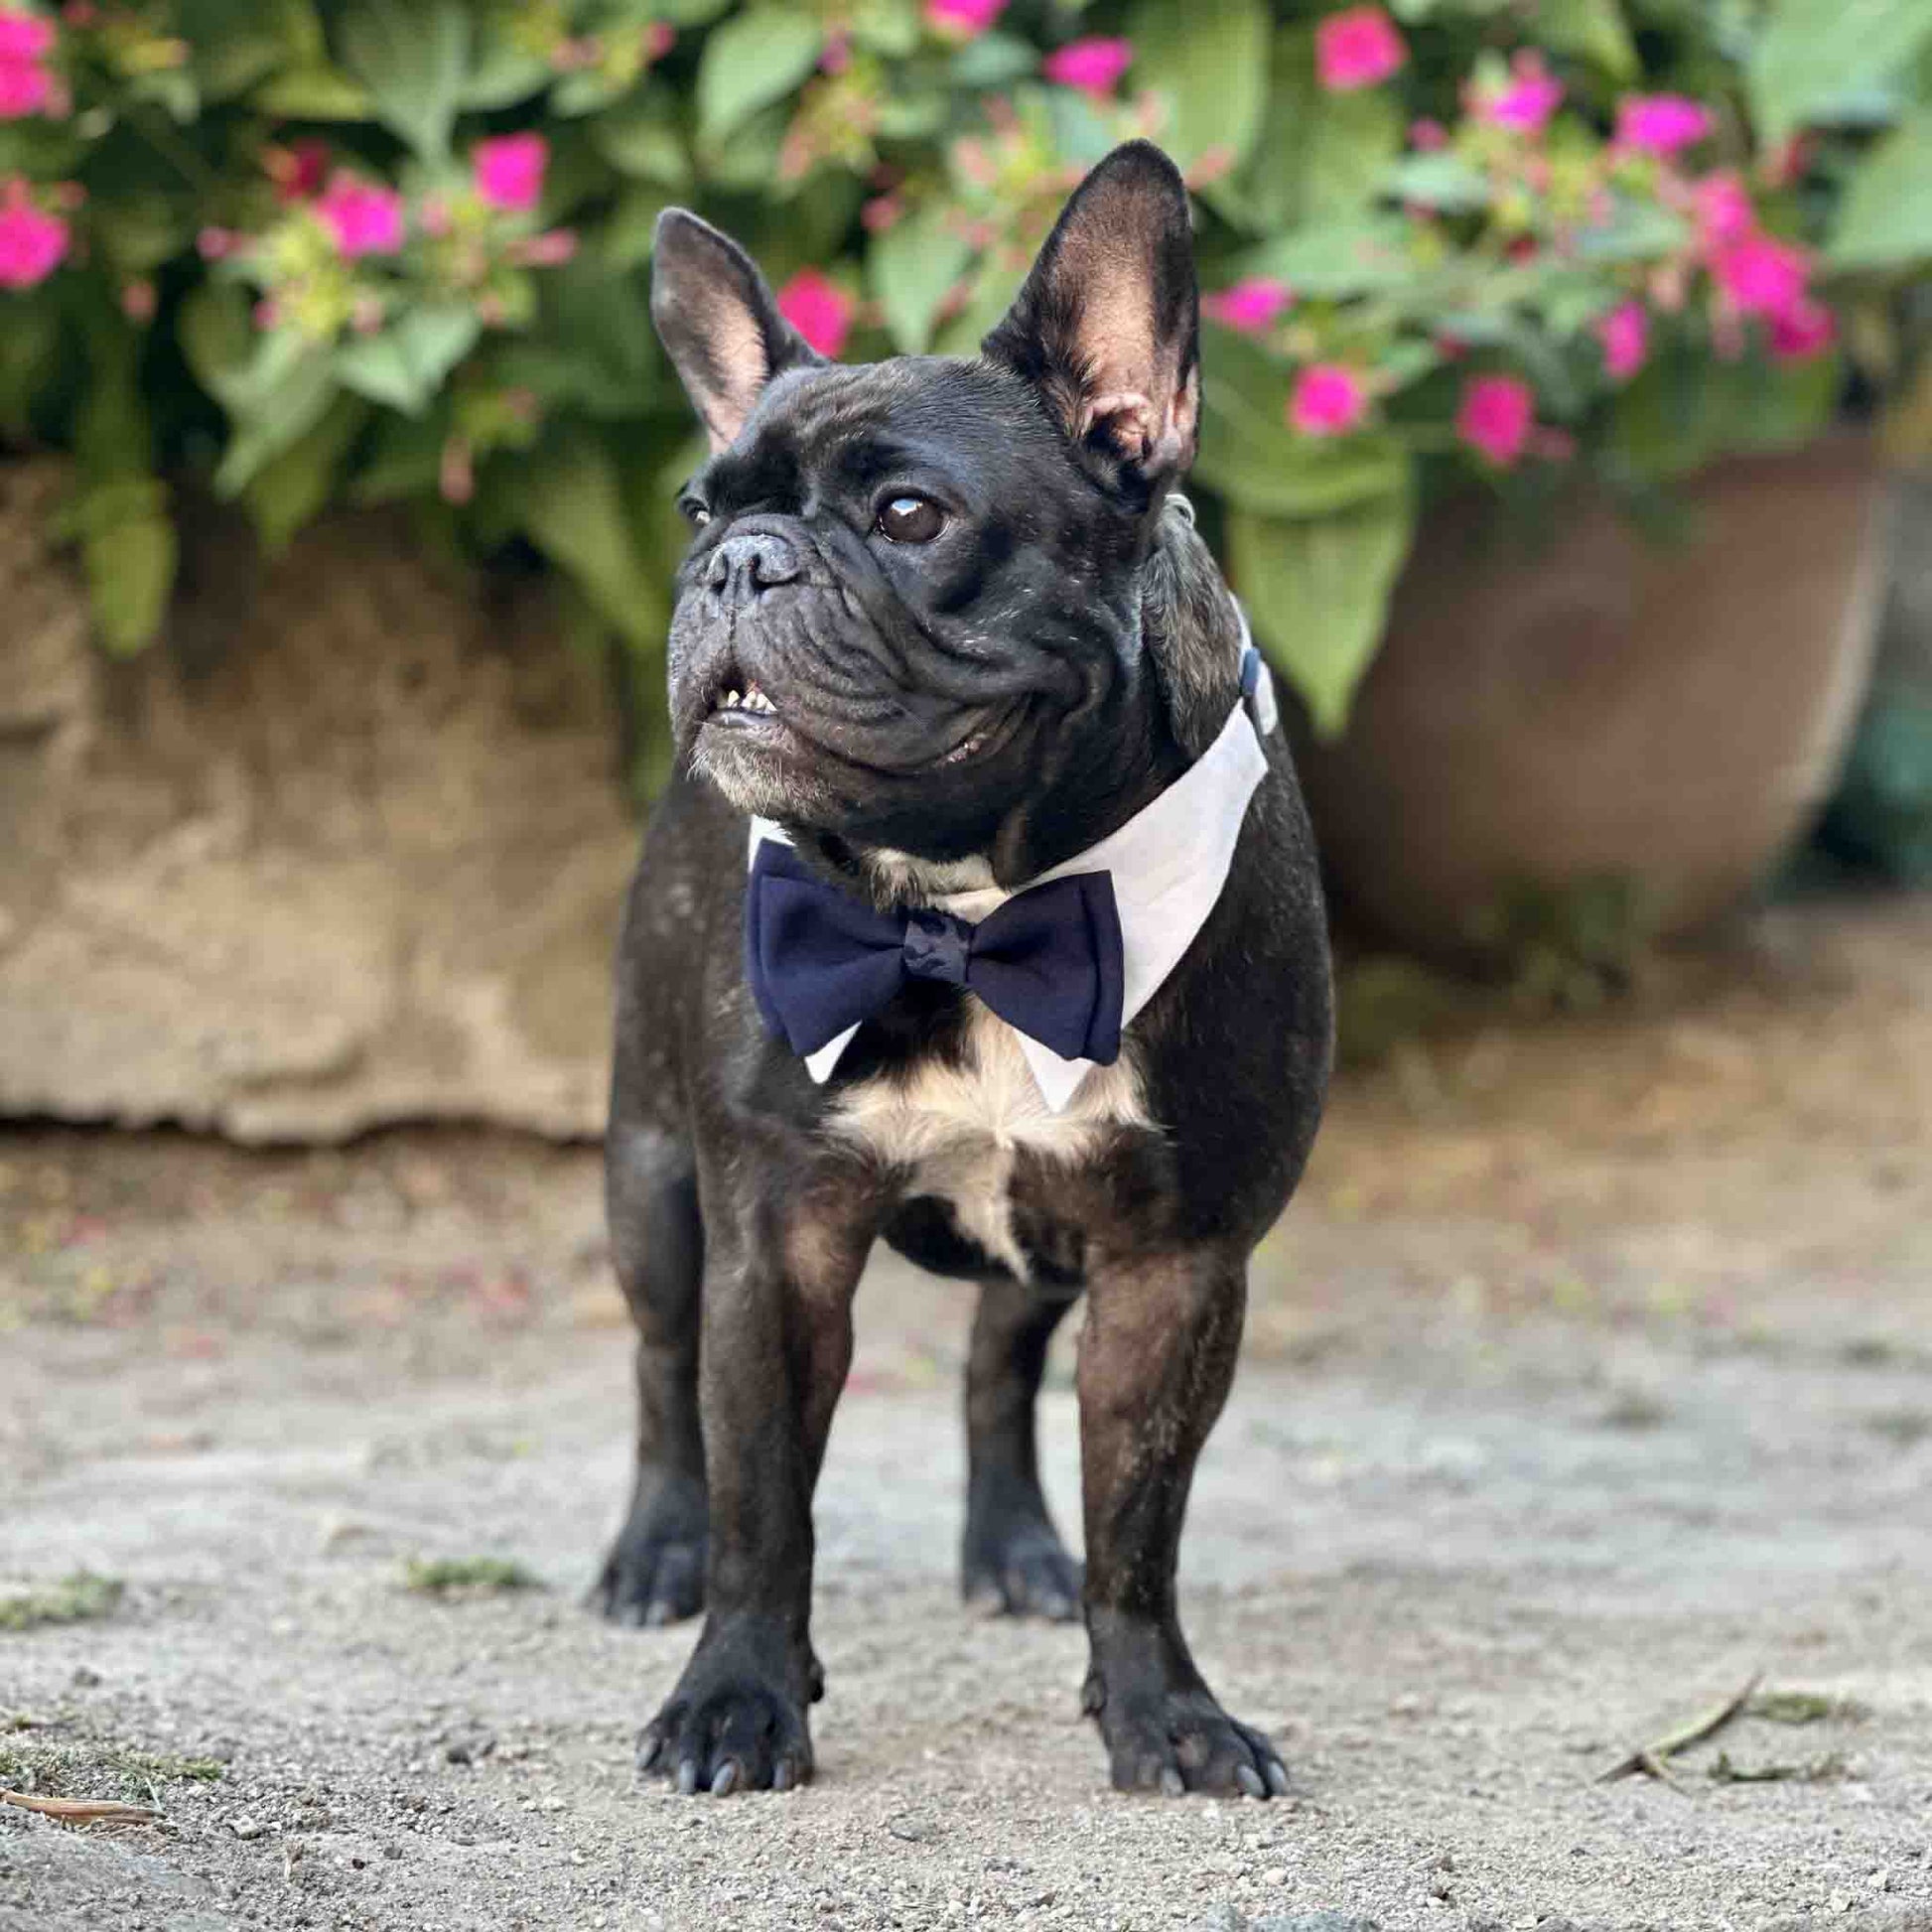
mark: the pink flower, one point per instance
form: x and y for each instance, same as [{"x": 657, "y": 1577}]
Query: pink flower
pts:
[
  {"x": 1661, "y": 123},
  {"x": 1329, "y": 399},
  {"x": 1428, "y": 136},
  {"x": 1093, "y": 65},
  {"x": 1804, "y": 330},
  {"x": 882, "y": 213},
  {"x": 1356, "y": 47},
  {"x": 818, "y": 309},
  {"x": 1527, "y": 102},
  {"x": 298, "y": 171},
  {"x": 660, "y": 37},
  {"x": 1761, "y": 277},
  {"x": 363, "y": 218},
  {"x": 509, "y": 170},
  {"x": 1625, "y": 336},
  {"x": 1723, "y": 211},
  {"x": 836, "y": 54},
  {"x": 32, "y": 244},
  {"x": 139, "y": 300},
  {"x": 963, "y": 20},
  {"x": 25, "y": 37},
  {"x": 1249, "y": 304},
  {"x": 1496, "y": 416},
  {"x": 25, "y": 89},
  {"x": 551, "y": 249}
]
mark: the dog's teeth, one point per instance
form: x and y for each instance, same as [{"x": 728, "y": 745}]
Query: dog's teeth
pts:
[{"x": 731, "y": 701}]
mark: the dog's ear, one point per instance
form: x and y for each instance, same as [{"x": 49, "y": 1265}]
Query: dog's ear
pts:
[
  {"x": 719, "y": 323},
  {"x": 1107, "y": 324}
]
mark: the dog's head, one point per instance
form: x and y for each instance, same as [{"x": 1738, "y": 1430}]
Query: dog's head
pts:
[{"x": 916, "y": 586}]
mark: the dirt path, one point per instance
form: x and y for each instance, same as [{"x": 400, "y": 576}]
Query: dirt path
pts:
[{"x": 1593, "y": 1372}]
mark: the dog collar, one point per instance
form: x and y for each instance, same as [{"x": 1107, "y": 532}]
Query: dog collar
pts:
[{"x": 1167, "y": 862}]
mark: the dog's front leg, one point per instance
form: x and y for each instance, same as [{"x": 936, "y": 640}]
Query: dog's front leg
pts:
[
  {"x": 1156, "y": 1356},
  {"x": 780, "y": 1273}
]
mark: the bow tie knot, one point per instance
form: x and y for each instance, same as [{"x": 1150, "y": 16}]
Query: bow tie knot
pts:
[
  {"x": 936, "y": 946},
  {"x": 1048, "y": 961}
]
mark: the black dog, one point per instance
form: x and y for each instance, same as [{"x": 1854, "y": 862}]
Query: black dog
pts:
[{"x": 943, "y": 628}]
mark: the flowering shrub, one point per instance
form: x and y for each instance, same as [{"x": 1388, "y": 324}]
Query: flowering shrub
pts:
[{"x": 396, "y": 251}]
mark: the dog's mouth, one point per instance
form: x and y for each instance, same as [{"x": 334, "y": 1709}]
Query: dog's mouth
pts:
[
  {"x": 740, "y": 705},
  {"x": 731, "y": 701}
]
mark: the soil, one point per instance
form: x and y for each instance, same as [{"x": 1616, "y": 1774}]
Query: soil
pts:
[{"x": 1590, "y": 1374}]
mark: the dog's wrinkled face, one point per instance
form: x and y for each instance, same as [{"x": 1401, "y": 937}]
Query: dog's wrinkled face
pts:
[{"x": 912, "y": 583}]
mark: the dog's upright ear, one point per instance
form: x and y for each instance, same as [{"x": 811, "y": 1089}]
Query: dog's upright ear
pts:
[
  {"x": 719, "y": 323},
  {"x": 1107, "y": 325}
]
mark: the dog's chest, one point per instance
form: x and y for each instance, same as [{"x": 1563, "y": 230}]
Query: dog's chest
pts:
[{"x": 962, "y": 1132}]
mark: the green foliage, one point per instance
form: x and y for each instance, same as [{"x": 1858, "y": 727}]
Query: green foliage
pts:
[
  {"x": 1816, "y": 57},
  {"x": 1316, "y": 588},
  {"x": 466, "y": 1576},
  {"x": 78, "y": 1599},
  {"x": 291, "y": 266}
]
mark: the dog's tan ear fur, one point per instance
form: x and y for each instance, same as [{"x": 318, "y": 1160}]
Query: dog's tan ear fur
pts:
[
  {"x": 719, "y": 323},
  {"x": 1107, "y": 325}
]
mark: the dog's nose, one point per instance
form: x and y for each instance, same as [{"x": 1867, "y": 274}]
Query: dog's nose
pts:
[{"x": 745, "y": 565}]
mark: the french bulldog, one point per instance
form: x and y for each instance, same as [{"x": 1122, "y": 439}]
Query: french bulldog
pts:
[{"x": 982, "y": 917}]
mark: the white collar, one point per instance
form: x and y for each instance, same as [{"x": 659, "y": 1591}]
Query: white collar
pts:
[{"x": 1168, "y": 863}]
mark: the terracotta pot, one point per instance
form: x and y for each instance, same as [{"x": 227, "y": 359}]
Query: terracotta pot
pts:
[{"x": 1664, "y": 714}]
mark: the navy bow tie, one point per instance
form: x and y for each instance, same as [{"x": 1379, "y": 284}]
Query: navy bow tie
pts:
[{"x": 1047, "y": 961}]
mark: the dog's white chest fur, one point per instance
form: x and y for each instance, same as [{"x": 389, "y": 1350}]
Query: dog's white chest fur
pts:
[{"x": 958, "y": 1130}]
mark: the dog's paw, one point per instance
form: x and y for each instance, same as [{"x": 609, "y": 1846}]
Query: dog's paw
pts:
[
  {"x": 654, "y": 1573},
  {"x": 727, "y": 1730},
  {"x": 1021, "y": 1567},
  {"x": 1177, "y": 1740}
]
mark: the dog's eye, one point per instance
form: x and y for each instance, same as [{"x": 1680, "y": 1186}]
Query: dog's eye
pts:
[{"x": 912, "y": 519}]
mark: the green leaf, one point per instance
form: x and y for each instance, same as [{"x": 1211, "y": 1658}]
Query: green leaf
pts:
[
  {"x": 284, "y": 494},
  {"x": 1317, "y": 590},
  {"x": 278, "y": 398},
  {"x": 316, "y": 92},
  {"x": 1593, "y": 30},
  {"x": 993, "y": 60},
  {"x": 413, "y": 57},
  {"x": 30, "y": 348},
  {"x": 138, "y": 233},
  {"x": 406, "y": 459},
  {"x": 505, "y": 65},
  {"x": 236, "y": 43},
  {"x": 1340, "y": 258},
  {"x": 1249, "y": 455},
  {"x": 750, "y": 61},
  {"x": 887, "y": 27},
  {"x": 1439, "y": 181},
  {"x": 1813, "y": 53},
  {"x": 642, "y": 139},
  {"x": 1209, "y": 61},
  {"x": 404, "y": 365},
  {"x": 1885, "y": 217},
  {"x": 911, "y": 266},
  {"x": 1685, "y": 409},
  {"x": 572, "y": 504},
  {"x": 1316, "y": 156},
  {"x": 130, "y": 566}
]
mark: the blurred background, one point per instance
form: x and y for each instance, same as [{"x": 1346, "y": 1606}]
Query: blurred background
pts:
[{"x": 1568, "y": 392}]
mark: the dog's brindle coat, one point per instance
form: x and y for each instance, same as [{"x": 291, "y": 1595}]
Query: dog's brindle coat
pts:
[{"x": 966, "y": 707}]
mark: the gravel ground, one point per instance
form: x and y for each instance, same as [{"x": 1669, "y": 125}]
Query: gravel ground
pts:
[{"x": 1591, "y": 1374}]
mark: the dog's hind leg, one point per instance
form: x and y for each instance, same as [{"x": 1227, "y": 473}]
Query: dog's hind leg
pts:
[
  {"x": 654, "y": 1573},
  {"x": 1012, "y": 1558}
]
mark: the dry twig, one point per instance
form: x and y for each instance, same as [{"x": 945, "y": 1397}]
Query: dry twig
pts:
[
  {"x": 1653, "y": 1758},
  {"x": 82, "y": 1811}
]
